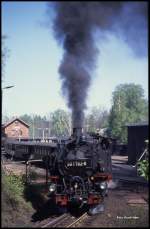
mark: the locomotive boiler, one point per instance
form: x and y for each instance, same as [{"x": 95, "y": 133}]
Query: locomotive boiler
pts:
[{"x": 80, "y": 168}]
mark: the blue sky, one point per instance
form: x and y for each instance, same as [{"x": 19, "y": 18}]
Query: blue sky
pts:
[{"x": 35, "y": 57}]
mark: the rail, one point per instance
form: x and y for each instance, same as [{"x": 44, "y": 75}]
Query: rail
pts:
[
  {"x": 78, "y": 220},
  {"x": 54, "y": 222},
  {"x": 64, "y": 221}
]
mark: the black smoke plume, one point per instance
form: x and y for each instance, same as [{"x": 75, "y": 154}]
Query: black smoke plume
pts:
[{"x": 74, "y": 26}]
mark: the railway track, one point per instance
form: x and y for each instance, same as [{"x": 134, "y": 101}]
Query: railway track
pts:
[
  {"x": 65, "y": 221},
  {"x": 77, "y": 221}
]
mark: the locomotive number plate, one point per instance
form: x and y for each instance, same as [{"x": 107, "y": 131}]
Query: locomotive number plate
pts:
[{"x": 76, "y": 163}]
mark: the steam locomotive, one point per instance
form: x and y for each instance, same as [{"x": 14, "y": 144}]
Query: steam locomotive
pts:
[
  {"x": 79, "y": 168},
  {"x": 80, "y": 171}
]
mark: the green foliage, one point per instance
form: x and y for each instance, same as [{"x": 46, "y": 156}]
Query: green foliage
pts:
[
  {"x": 57, "y": 124},
  {"x": 14, "y": 206},
  {"x": 128, "y": 106},
  {"x": 60, "y": 123},
  {"x": 13, "y": 186},
  {"x": 143, "y": 169},
  {"x": 96, "y": 119}
]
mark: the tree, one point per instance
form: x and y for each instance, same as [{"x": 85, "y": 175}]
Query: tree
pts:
[
  {"x": 96, "y": 119},
  {"x": 5, "y": 119},
  {"x": 60, "y": 124},
  {"x": 129, "y": 106}
]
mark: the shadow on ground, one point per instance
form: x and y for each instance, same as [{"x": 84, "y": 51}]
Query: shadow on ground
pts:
[
  {"x": 37, "y": 196},
  {"x": 44, "y": 206}
]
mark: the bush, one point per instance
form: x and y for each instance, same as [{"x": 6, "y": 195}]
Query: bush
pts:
[
  {"x": 13, "y": 185},
  {"x": 143, "y": 169},
  {"x": 14, "y": 206}
]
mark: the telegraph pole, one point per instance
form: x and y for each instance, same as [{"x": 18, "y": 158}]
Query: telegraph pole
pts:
[
  {"x": 119, "y": 102},
  {"x": 33, "y": 129}
]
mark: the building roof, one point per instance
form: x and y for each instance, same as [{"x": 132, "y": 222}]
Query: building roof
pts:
[
  {"x": 13, "y": 120},
  {"x": 144, "y": 123}
]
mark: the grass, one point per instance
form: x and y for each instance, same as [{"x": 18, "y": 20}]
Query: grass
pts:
[{"x": 14, "y": 207}]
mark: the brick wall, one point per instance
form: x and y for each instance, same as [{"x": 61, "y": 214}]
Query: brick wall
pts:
[{"x": 17, "y": 129}]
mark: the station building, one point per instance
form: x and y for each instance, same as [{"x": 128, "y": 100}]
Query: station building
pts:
[{"x": 16, "y": 128}]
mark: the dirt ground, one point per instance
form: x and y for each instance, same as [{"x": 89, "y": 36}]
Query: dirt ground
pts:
[
  {"x": 16, "y": 168},
  {"x": 119, "y": 213},
  {"x": 119, "y": 159}
]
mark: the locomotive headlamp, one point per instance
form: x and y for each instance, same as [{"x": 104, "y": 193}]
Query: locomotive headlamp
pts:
[
  {"x": 76, "y": 185},
  {"x": 52, "y": 187},
  {"x": 92, "y": 178},
  {"x": 103, "y": 185}
]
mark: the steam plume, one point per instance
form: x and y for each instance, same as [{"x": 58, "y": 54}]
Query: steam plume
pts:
[{"x": 74, "y": 26}]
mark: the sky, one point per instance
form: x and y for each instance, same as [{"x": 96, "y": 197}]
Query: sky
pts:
[{"x": 35, "y": 56}]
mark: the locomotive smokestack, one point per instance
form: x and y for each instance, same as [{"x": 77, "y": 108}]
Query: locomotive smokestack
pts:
[{"x": 77, "y": 133}]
